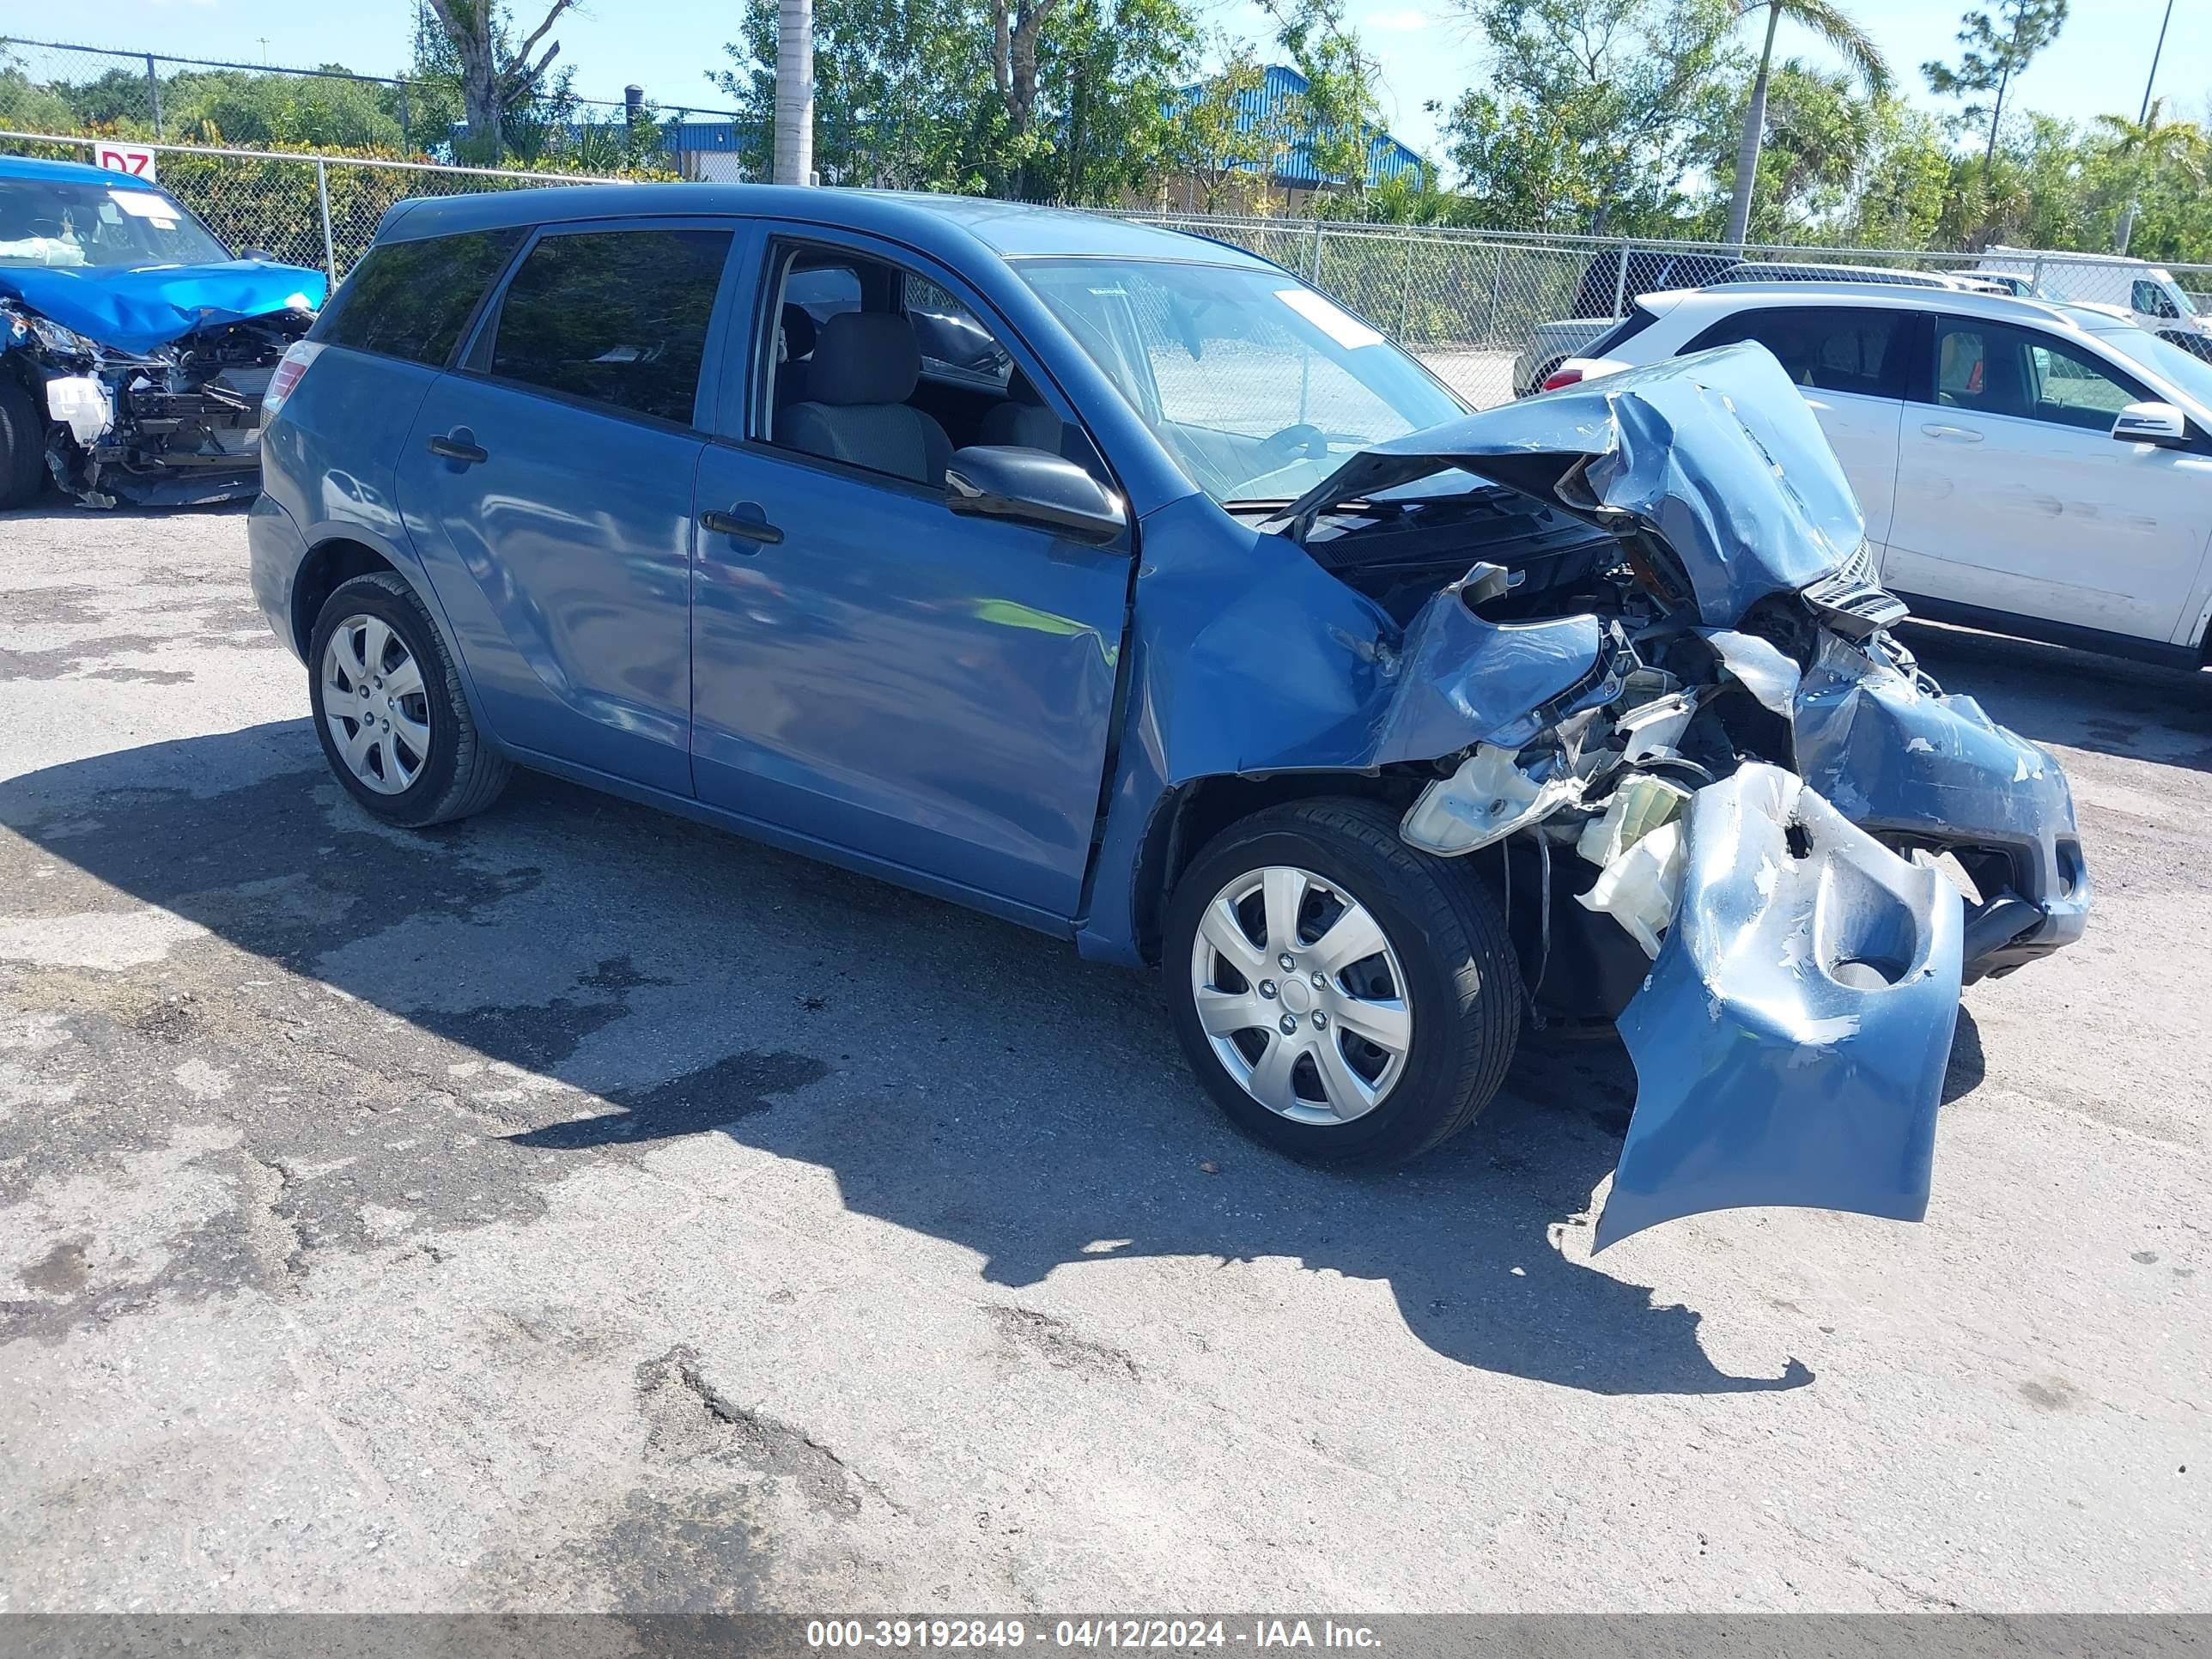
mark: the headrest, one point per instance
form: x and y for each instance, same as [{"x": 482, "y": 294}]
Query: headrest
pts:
[
  {"x": 799, "y": 331},
  {"x": 864, "y": 357}
]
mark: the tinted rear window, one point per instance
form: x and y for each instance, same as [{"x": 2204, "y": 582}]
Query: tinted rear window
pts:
[
  {"x": 1830, "y": 347},
  {"x": 619, "y": 317},
  {"x": 412, "y": 299}
]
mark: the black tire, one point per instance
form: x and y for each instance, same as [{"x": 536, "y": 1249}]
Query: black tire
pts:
[
  {"x": 23, "y": 444},
  {"x": 1462, "y": 980},
  {"x": 462, "y": 774}
]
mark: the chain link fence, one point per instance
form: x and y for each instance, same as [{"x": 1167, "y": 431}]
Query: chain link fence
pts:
[
  {"x": 51, "y": 86},
  {"x": 1492, "y": 312},
  {"x": 317, "y": 210}
]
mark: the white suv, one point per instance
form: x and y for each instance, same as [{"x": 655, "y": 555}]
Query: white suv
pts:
[{"x": 2041, "y": 469}]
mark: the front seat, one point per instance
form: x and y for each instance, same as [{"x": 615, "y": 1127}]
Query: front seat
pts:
[
  {"x": 864, "y": 368},
  {"x": 1022, "y": 421}
]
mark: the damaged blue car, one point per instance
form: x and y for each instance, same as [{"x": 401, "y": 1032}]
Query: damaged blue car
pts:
[
  {"x": 1119, "y": 584},
  {"x": 134, "y": 349}
]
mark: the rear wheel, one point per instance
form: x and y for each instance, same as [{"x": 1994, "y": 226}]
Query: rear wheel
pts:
[
  {"x": 394, "y": 725},
  {"x": 23, "y": 444},
  {"x": 1342, "y": 996}
]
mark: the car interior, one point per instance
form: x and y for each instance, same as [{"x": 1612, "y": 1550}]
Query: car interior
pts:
[
  {"x": 879, "y": 367},
  {"x": 2002, "y": 371},
  {"x": 1828, "y": 348}
]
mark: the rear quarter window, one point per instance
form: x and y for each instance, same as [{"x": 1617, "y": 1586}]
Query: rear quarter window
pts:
[
  {"x": 1620, "y": 333},
  {"x": 412, "y": 299},
  {"x": 617, "y": 317}
]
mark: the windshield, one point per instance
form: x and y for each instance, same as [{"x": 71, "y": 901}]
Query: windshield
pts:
[
  {"x": 2187, "y": 373},
  {"x": 1258, "y": 386},
  {"x": 49, "y": 221}
]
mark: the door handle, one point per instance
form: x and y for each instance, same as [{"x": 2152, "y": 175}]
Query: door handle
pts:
[
  {"x": 459, "y": 444},
  {"x": 1952, "y": 435},
  {"x": 746, "y": 521}
]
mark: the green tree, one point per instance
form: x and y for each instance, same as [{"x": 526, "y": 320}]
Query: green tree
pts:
[
  {"x": 1595, "y": 109},
  {"x": 1339, "y": 117},
  {"x": 1998, "y": 43},
  {"x": 497, "y": 77},
  {"x": 908, "y": 94},
  {"x": 1899, "y": 192},
  {"x": 1850, "y": 42},
  {"x": 1819, "y": 132},
  {"x": 1110, "y": 72},
  {"x": 2142, "y": 148}
]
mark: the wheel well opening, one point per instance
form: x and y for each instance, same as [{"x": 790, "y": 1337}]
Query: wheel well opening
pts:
[
  {"x": 1198, "y": 811},
  {"x": 326, "y": 565}
]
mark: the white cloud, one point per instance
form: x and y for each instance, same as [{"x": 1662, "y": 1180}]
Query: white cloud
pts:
[{"x": 1407, "y": 21}]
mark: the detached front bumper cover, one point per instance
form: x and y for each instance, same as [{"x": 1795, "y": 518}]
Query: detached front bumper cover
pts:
[{"x": 1791, "y": 1039}]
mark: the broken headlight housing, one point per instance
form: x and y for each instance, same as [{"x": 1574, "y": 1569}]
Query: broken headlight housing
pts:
[{"x": 62, "y": 341}]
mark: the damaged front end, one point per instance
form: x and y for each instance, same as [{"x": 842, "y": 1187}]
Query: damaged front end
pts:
[
  {"x": 175, "y": 424},
  {"x": 1724, "y": 805},
  {"x": 141, "y": 343}
]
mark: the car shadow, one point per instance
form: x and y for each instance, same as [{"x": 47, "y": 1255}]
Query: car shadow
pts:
[
  {"x": 957, "y": 1076},
  {"x": 2076, "y": 699}
]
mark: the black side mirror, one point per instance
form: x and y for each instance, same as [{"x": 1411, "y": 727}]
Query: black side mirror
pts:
[
  {"x": 1033, "y": 486},
  {"x": 260, "y": 253}
]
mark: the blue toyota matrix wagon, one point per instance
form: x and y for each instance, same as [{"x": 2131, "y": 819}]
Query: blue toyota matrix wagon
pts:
[{"x": 1119, "y": 583}]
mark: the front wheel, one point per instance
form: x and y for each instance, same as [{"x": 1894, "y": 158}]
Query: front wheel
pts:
[
  {"x": 394, "y": 724},
  {"x": 1343, "y": 997},
  {"x": 23, "y": 444}
]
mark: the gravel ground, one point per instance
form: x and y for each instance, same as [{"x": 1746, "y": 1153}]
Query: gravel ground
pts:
[{"x": 577, "y": 1208}]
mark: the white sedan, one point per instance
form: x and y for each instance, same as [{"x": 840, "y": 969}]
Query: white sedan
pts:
[{"x": 2040, "y": 470}]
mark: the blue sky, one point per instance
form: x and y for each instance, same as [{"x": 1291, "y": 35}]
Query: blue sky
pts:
[{"x": 2096, "y": 66}]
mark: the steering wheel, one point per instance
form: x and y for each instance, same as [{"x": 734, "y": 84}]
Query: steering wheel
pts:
[{"x": 1303, "y": 441}]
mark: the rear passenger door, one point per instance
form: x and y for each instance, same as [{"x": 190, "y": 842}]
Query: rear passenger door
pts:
[
  {"x": 548, "y": 483},
  {"x": 1852, "y": 364}
]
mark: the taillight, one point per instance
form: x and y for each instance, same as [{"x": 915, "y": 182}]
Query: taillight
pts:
[
  {"x": 289, "y": 368},
  {"x": 1559, "y": 376}
]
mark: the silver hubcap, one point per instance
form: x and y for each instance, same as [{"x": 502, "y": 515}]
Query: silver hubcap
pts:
[
  {"x": 1301, "y": 995},
  {"x": 374, "y": 703}
]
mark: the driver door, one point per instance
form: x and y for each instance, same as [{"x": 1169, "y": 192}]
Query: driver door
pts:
[{"x": 872, "y": 674}]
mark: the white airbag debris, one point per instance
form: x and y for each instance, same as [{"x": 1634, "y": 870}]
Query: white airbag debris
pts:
[
  {"x": 1640, "y": 888},
  {"x": 1640, "y": 806},
  {"x": 1485, "y": 800}
]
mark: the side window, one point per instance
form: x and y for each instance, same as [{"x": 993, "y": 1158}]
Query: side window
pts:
[
  {"x": 2151, "y": 299},
  {"x": 618, "y": 317},
  {"x": 951, "y": 340},
  {"x": 1993, "y": 369},
  {"x": 822, "y": 290},
  {"x": 871, "y": 364},
  {"x": 1825, "y": 348},
  {"x": 412, "y": 299},
  {"x": 817, "y": 285}
]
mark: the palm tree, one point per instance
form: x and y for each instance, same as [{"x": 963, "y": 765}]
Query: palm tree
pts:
[
  {"x": 1849, "y": 41},
  {"x": 794, "y": 92},
  {"x": 2143, "y": 147}
]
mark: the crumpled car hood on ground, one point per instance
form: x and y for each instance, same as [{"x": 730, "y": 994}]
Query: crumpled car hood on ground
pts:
[{"x": 136, "y": 311}]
